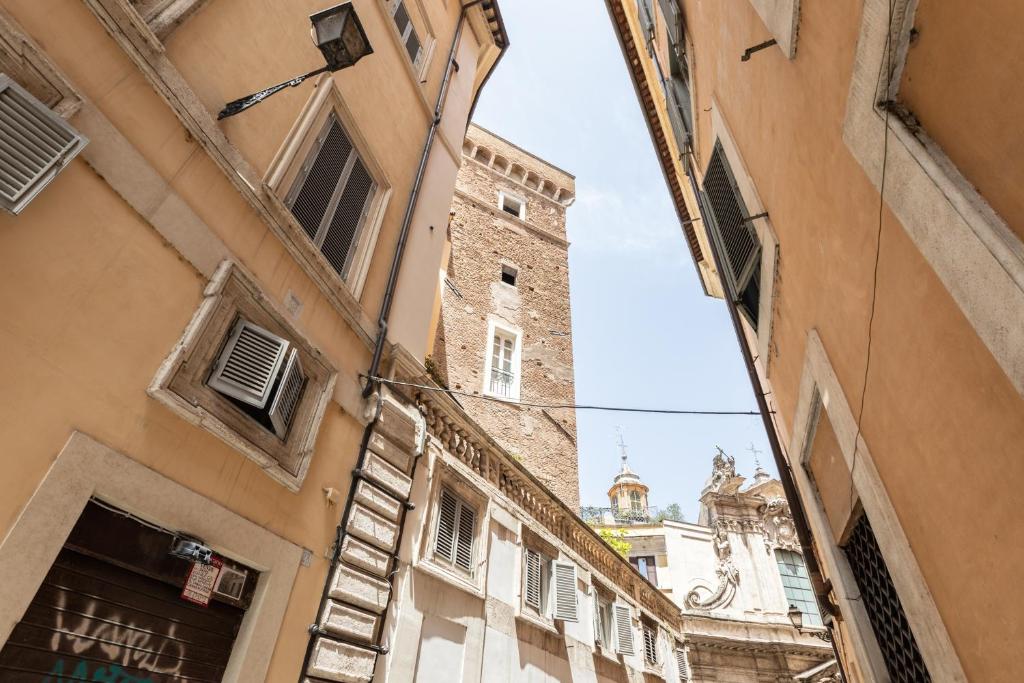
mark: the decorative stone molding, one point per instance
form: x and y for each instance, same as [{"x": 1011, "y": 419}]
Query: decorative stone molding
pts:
[
  {"x": 526, "y": 179},
  {"x": 777, "y": 524},
  {"x": 728, "y": 575},
  {"x": 466, "y": 441}
]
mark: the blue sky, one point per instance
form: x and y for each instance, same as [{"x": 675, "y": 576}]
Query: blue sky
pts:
[{"x": 644, "y": 334}]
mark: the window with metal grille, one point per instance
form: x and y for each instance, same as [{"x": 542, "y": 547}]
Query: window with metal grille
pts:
[
  {"x": 261, "y": 374},
  {"x": 650, "y": 643},
  {"x": 35, "y": 145},
  {"x": 682, "y": 663},
  {"x": 331, "y": 196},
  {"x": 797, "y": 585},
  {"x": 407, "y": 33},
  {"x": 733, "y": 232},
  {"x": 456, "y": 526},
  {"x": 882, "y": 603}
]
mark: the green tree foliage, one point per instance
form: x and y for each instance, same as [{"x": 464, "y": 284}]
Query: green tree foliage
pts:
[
  {"x": 671, "y": 513},
  {"x": 616, "y": 538}
]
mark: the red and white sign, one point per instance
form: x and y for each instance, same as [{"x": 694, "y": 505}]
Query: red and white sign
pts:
[{"x": 200, "y": 581}]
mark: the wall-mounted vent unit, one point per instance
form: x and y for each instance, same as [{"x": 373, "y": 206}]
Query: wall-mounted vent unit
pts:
[{"x": 35, "y": 144}]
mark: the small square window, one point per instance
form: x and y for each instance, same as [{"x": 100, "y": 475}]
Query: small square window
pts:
[
  {"x": 512, "y": 205},
  {"x": 509, "y": 275}
]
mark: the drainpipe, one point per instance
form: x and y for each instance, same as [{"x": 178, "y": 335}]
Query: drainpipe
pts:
[
  {"x": 382, "y": 327},
  {"x": 796, "y": 507},
  {"x": 410, "y": 208}
]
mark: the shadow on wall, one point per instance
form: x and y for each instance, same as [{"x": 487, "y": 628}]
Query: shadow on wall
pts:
[{"x": 542, "y": 655}]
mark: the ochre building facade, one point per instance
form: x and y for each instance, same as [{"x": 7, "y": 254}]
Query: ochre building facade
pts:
[{"x": 865, "y": 229}]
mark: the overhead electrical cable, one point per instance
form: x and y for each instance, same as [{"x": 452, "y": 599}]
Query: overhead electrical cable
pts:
[{"x": 574, "y": 406}]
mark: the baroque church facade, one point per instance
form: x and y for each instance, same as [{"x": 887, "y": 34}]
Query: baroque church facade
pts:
[{"x": 737, "y": 575}]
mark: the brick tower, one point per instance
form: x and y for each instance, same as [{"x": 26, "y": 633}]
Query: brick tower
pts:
[{"x": 505, "y": 329}]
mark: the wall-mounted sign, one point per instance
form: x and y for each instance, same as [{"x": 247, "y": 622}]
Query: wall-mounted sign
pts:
[{"x": 200, "y": 582}]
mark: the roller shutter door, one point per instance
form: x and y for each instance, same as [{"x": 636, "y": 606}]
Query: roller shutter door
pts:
[{"x": 110, "y": 609}]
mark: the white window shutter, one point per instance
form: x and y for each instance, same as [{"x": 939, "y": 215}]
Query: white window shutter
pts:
[
  {"x": 249, "y": 364},
  {"x": 624, "y": 630},
  {"x": 598, "y": 630},
  {"x": 289, "y": 392},
  {"x": 531, "y": 583},
  {"x": 448, "y": 510},
  {"x": 35, "y": 144},
  {"x": 566, "y": 606},
  {"x": 682, "y": 664},
  {"x": 464, "y": 538}
]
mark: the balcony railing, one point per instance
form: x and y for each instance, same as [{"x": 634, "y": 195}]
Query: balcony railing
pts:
[
  {"x": 501, "y": 382},
  {"x": 609, "y": 516}
]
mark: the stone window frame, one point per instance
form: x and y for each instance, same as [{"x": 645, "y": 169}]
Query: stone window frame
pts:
[
  {"x": 782, "y": 19},
  {"x": 180, "y": 382},
  {"x": 283, "y": 170},
  {"x": 820, "y": 390},
  {"x": 972, "y": 250},
  {"x": 497, "y": 326},
  {"x": 604, "y": 597},
  {"x": 549, "y": 554},
  {"x": 445, "y": 476},
  {"x": 19, "y": 46},
  {"x": 163, "y": 16},
  {"x": 425, "y": 31},
  {"x": 85, "y": 468},
  {"x": 503, "y": 194},
  {"x": 761, "y": 338}
]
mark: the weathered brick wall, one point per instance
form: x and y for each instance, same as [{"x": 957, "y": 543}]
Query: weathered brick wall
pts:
[{"x": 483, "y": 239}]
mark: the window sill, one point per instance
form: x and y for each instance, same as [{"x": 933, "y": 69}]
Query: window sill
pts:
[
  {"x": 610, "y": 655},
  {"x": 442, "y": 573},
  {"x": 539, "y": 622}
]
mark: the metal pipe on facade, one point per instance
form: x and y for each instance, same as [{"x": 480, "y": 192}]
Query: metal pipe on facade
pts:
[
  {"x": 796, "y": 508},
  {"x": 382, "y": 327}
]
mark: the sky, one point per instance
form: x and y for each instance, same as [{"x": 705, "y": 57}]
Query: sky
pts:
[{"x": 644, "y": 334}]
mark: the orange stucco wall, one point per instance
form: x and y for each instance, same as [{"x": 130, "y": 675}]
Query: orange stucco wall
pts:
[
  {"x": 960, "y": 81},
  {"x": 943, "y": 422},
  {"x": 93, "y": 298}
]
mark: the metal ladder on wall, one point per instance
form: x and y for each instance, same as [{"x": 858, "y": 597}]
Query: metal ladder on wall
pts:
[{"x": 346, "y": 639}]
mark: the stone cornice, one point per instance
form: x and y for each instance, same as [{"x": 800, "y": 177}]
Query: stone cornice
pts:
[
  {"x": 539, "y": 232},
  {"x": 465, "y": 440}
]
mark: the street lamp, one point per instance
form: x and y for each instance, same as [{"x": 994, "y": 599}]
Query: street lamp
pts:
[
  {"x": 339, "y": 36},
  {"x": 796, "y": 616}
]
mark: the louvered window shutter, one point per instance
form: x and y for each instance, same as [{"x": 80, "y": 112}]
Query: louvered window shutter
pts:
[
  {"x": 464, "y": 538},
  {"x": 35, "y": 144},
  {"x": 447, "y": 518},
  {"x": 249, "y": 364},
  {"x": 331, "y": 195},
  {"x": 566, "y": 606},
  {"x": 289, "y": 392},
  {"x": 532, "y": 587},
  {"x": 682, "y": 664},
  {"x": 733, "y": 233},
  {"x": 598, "y": 628},
  {"x": 623, "y": 630}
]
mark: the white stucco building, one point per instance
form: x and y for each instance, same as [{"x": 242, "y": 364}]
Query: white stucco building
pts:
[{"x": 737, "y": 575}]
